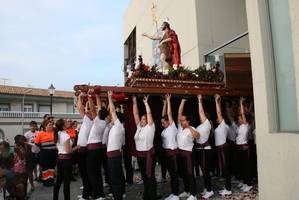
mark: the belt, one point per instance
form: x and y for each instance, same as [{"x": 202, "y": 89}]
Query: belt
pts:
[
  {"x": 171, "y": 152},
  {"x": 93, "y": 146},
  {"x": 64, "y": 156},
  {"x": 112, "y": 154},
  {"x": 243, "y": 146},
  {"x": 82, "y": 149},
  {"x": 203, "y": 145}
]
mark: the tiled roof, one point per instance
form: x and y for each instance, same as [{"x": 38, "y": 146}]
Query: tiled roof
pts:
[{"x": 4, "y": 89}]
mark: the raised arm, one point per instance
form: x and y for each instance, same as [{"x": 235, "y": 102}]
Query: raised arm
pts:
[
  {"x": 169, "y": 111},
  {"x": 201, "y": 111},
  {"x": 112, "y": 107},
  {"x": 164, "y": 107},
  {"x": 151, "y": 37},
  {"x": 135, "y": 111},
  {"x": 181, "y": 109},
  {"x": 91, "y": 104},
  {"x": 99, "y": 102},
  {"x": 80, "y": 105},
  {"x": 242, "y": 112},
  {"x": 150, "y": 120},
  {"x": 218, "y": 107}
]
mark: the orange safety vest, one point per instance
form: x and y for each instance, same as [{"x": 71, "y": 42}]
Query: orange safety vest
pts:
[
  {"x": 71, "y": 132},
  {"x": 44, "y": 136}
]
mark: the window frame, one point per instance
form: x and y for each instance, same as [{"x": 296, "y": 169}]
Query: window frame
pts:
[{"x": 6, "y": 104}]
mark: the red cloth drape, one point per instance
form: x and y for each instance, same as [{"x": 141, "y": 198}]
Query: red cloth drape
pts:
[{"x": 175, "y": 47}]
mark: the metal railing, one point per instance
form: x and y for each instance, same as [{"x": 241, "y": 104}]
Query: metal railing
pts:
[
  {"x": 238, "y": 37},
  {"x": 19, "y": 114}
]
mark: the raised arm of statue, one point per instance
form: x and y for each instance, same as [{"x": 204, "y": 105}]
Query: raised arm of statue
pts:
[{"x": 152, "y": 37}]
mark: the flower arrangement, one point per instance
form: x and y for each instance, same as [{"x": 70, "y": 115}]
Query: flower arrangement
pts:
[{"x": 201, "y": 74}]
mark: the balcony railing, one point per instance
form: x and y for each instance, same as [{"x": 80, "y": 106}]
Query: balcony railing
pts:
[{"x": 35, "y": 115}]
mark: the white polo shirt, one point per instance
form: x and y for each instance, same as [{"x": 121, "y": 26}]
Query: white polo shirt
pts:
[
  {"x": 221, "y": 133},
  {"x": 30, "y": 136},
  {"x": 242, "y": 134},
  {"x": 204, "y": 130},
  {"x": 232, "y": 132},
  {"x": 144, "y": 137},
  {"x": 185, "y": 139},
  {"x": 106, "y": 133},
  {"x": 84, "y": 131},
  {"x": 116, "y": 138},
  {"x": 97, "y": 131},
  {"x": 62, "y": 137},
  {"x": 169, "y": 135}
]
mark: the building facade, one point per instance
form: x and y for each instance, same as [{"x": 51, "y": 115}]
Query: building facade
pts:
[
  {"x": 274, "y": 41},
  {"x": 35, "y": 103},
  {"x": 201, "y": 26},
  {"x": 273, "y": 44}
]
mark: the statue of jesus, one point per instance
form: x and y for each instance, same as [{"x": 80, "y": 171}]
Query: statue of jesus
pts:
[{"x": 169, "y": 47}]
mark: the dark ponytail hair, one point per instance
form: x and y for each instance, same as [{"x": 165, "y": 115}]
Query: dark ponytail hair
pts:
[{"x": 59, "y": 126}]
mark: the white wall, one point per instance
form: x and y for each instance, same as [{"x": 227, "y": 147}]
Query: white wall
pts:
[
  {"x": 278, "y": 157},
  {"x": 219, "y": 22},
  {"x": 201, "y": 25}
]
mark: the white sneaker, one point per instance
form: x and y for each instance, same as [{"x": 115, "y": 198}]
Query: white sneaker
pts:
[
  {"x": 208, "y": 194},
  {"x": 169, "y": 197},
  {"x": 191, "y": 197},
  {"x": 184, "y": 195},
  {"x": 175, "y": 197},
  {"x": 203, "y": 192},
  {"x": 225, "y": 192},
  {"x": 240, "y": 185},
  {"x": 246, "y": 188},
  {"x": 81, "y": 188}
]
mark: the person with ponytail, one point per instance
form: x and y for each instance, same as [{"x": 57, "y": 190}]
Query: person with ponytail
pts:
[{"x": 64, "y": 164}]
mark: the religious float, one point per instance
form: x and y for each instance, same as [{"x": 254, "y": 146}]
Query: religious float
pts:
[{"x": 231, "y": 78}]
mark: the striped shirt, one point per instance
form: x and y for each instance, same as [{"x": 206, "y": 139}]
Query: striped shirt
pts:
[{"x": 45, "y": 140}]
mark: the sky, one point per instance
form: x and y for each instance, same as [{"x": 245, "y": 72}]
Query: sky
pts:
[{"x": 64, "y": 42}]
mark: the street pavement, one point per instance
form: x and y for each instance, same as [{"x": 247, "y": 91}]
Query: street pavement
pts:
[{"x": 134, "y": 192}]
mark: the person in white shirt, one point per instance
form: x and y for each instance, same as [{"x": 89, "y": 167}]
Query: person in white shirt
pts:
[
  {"x": 31, "y": 158},
  {"x": 85, "y": 128},
  {"x": 144, "y": 138},
  {"x": 203, "y": 150},
  {"x": 116, "y": 139},
  {"x": 221, "y": 133},
  {"x": 170, "y": 146},
  {"x": 95, "y": 149},
  {"x": 64, "y": 163},
  {"x": 185, "y": 137},
  {"x": 243, "y": 149}
]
